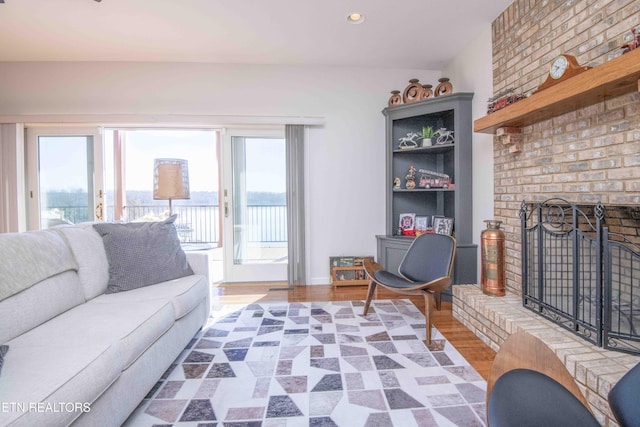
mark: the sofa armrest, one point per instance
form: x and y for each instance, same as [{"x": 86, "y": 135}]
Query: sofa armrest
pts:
[{"x": 201, "y": 262}]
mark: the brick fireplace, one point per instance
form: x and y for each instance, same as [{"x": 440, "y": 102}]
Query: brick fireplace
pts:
[
  {"x": 585, "y": 156},
  {"x": 588, "y": 155}
]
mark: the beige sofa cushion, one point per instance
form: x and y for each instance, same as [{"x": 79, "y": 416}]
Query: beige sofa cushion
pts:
[
  {"x": 184, "y": 294},
  {"x": 130, "y": 327},
  {"x": 71, "y": 374},
  {"x": 29, "y": 258},
  {"x": 39, "y": 303}
]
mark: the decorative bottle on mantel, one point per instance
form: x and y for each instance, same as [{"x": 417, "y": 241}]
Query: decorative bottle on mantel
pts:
[{"x": 492, "y": 252}]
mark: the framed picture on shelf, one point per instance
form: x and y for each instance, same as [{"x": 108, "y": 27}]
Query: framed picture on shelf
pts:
[
  {"x": 422, "y": 224},
  {"x": 442, "y": 225},
  {"x": 407, "y": 224}
]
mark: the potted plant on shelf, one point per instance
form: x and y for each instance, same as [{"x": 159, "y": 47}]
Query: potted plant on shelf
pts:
[{"x": 427, "y": 135}]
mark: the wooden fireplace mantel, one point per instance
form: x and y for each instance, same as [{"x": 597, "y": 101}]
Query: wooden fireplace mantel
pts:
[{"x": 613, "y": 78}]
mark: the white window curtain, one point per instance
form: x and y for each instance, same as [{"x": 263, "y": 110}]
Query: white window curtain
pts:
[
  {"x": 12, "y": 173},
  {"x": 294, "y": 140}
]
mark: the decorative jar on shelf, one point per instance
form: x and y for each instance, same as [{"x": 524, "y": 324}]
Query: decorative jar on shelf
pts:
[{"x": 395, "y": 99}]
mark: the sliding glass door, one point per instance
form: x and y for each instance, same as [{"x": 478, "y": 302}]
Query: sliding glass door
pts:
[
  {"x": 64, "y": 176},
  {"x": 255, "y": 207}
]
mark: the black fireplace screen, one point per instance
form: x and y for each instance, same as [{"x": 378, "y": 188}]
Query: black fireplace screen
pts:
[{"x": 578, "y": 274}]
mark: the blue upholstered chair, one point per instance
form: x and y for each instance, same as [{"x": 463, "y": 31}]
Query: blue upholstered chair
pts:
[{"x": 424, "y": 270}]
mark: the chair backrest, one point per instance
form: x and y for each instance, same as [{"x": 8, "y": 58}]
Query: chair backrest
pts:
[
  {"x": 429, "y": 257},
  {"x": 521, "y": 350},
  {"x": 624, "y": 398}
]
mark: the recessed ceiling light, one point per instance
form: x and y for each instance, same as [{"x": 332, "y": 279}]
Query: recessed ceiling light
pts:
[{"x": 355, "y": 18}]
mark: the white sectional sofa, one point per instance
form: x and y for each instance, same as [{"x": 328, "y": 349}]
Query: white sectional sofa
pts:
[{"x": 78, "y": 354}]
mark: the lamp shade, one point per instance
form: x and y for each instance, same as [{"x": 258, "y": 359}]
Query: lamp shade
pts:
[{"x": 170, "y": 179}]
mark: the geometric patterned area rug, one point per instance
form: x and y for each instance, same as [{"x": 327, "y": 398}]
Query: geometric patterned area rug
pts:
[{"x": 316, "y": 364}]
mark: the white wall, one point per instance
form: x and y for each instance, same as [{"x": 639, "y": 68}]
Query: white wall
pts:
[
  {"x": 472, "y": 71},
  {"x": 345, "y": 184}
]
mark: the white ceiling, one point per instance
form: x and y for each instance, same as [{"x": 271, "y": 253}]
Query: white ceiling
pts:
[{"x": 415, "y": 34}]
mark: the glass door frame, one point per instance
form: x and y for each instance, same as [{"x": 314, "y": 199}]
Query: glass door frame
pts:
[
  {"x": 95, "y": 167},
  {"x": 268, "y": 272}
]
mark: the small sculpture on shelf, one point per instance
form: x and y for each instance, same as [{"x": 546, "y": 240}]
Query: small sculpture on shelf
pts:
[
  {"x": 444, "y": 136},
  {"x": 503, "y": 99},
  {"x": 431, "y": 179},
  {"x": 634, "y": 43},
  {"x": 409, "y": 141},
  {"x": 410, "y": 178},
  {"x": 396, "y": 183}
]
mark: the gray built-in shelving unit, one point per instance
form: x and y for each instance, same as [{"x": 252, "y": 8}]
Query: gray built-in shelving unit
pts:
[{"x": 452, "y": 112}]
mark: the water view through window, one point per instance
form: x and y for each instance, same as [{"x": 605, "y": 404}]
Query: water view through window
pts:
[
  {"x": 259, "y": 200},
  {"x": 198, "y": 216},
  {"x": 66, "y": 191},
  {"x": 64, "y": 196}
]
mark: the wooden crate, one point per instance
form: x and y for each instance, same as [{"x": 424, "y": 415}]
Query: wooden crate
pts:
[{"x": 348, "y": 270}]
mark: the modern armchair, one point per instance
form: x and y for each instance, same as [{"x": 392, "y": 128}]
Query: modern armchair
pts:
[
  {"x": 424, "y": 270},
  {"x": 529, "y": 386}
]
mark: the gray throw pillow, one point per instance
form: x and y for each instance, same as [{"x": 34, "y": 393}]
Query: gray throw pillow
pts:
[
  {"x": 142, "y": 254},
  {"x": 3, "y": 351}
]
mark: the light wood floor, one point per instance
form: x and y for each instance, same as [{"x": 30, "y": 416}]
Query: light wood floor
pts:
[{"x": 479, "y": 355}]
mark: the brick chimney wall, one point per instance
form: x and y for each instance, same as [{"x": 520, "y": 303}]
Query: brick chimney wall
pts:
[{"x": 584, "y": 156}]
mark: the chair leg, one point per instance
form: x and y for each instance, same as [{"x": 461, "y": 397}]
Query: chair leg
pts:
[
  {"x": 370, "y": 292},
  {"x": 428, "y": 303},
  {"x": 438, "y": 299}
]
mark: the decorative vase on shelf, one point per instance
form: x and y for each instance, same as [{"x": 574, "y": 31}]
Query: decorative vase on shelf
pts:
[
  {"x": 412, "y": 92},
  {"x": 427, "y": 92},
  {"x": 395, "y": 99},
  {"x": 444, "y": 87}
]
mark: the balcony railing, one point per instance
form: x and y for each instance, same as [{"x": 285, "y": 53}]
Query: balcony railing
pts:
[{"x": 200, "y": 223}]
